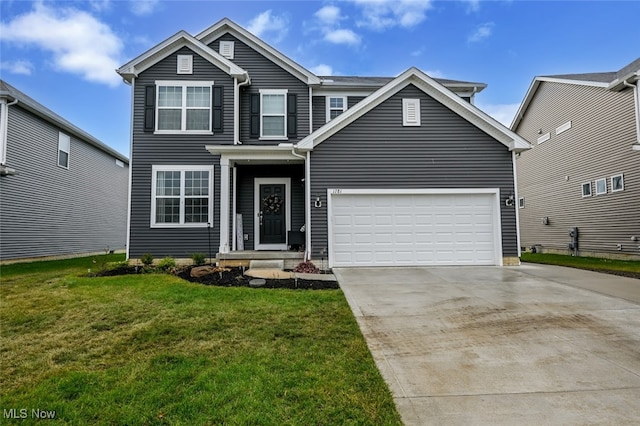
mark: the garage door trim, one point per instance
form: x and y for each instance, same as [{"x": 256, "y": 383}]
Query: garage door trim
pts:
[{"x": 495, "y": 192}]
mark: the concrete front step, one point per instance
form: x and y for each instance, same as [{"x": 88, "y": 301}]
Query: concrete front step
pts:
[
  {"x": 280, "y": 274},
  {"x": 266, "y": 264}
]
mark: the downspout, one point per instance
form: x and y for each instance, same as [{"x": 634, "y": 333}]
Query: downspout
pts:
[
  {"x": 4, "y": 122},
  {"x": 128, "y": 242},
  {"x": 307, "y": 187},
  {"x": 233, "y": 209},
  {"x": 236, "y": 107},
  {"x": 473, "y": 95},
  {"x": 636, "y": 99}
]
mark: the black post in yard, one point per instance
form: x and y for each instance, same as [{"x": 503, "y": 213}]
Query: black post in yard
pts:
[{"x": 209, "y": 232}]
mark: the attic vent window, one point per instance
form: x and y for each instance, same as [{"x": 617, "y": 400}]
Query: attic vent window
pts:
[
  {"x": 566, "y": 126},
  {"x": 185, "y": 64},
  {"x": 226, "y": 49},
  {"x": 544, "y": 138},
  {"x": 411, "y": 112}
]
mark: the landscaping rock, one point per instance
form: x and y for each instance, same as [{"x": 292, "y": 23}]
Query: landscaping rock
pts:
[
  {"x": 257, "y": 282},
  {"x": 201, "y": 271}
]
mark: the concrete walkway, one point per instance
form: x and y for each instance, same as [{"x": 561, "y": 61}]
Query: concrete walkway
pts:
[{"x": 488, "y": 345}]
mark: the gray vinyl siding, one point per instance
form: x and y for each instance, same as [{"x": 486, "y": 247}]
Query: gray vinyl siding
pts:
[
  {"x": 551, "y": 174},
  {"x": 245, "y": 202},
  {"x": 181, "y": 150},
  {"x": 319, "y": 106},
  {"x": 265, "y": 75},
  {"x": 376, "y": 151},
  {"x": 46, "y": 210}
]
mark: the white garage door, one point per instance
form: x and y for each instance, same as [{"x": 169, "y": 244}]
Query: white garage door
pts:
[{"x": 403, "y": 229}]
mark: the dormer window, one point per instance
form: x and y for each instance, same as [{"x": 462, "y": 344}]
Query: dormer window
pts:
[
  {"x": 227, "y": 49},
  {"x": 185, "y": 64}
]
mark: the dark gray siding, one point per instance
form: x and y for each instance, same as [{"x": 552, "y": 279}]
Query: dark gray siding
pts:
[
  {"x": 265, "y": 75},
  {"x": 376, "y": 151},
  {"x": 46, "y": 210},
  {"x": 151, "y": 149},
  {"x": 551, "y": 174},
  {"x": 245, "y": 202},
  {"x": 319, "y": 106}
]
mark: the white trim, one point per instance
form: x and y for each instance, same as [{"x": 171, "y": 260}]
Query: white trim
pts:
[
  {"x": 4, "y": 121},
  {"x": 256, "y": 208},
  {"x": 184, "y": 85},
  {"x": 184, "y": 64},
  {"x": 410, "y": 112},
  {"x": 515, "y": 187},
  {"x": 621, "y": 176},
  {"x": 605, "y": 186},
  {"x": 234, "y": 202},
  {"x": 227, "y": 48},
  {"x": 129, "y": 185},
  {"x": 328, "y": 108},
  {"x": 563, "y": 128},
  {"x": 64, "y": 145},
  {"x": 159, "y": 167},
  {"x": 307, "y": 197},
  {"x": 497, "y": 225},
  {"x": 544, "y": 138},
  {"x": 582, "y": 186},
  {"x": 337, "y": 91},
  {"x": 278, "y": 92},
  {"x": 224, "y": 208}
]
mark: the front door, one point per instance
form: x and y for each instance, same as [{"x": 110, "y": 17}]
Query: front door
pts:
[{"x": 272, "y": 217}]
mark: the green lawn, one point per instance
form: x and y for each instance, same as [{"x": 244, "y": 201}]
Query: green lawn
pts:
[
  {"x": 590, "y": 263},
  {"x": 154, "y": 349}
]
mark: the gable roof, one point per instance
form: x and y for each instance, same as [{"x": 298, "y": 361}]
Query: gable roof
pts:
[
  {"x": 12, "y": 94},
  {"x": 179, "y": 40},
  {"x": 228, "y": 26},
  {"x": 432, "y": 88},
  {"x": 612, "y": 80}
]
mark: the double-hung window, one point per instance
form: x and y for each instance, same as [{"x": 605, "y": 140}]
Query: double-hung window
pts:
[
  {"x": 64, "y": 146},
  {"x": 181, "y": 196},
  {"x": 183, "y": 106},
  {"x": 336, "y": 105},
  {"x": 273, "y": 114}
]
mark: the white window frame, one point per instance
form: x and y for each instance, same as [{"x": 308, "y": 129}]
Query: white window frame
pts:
[
  {"x": 590, "y": 186},
  {"x": 605, "y": 186},
  {"x": 407, "y": 119},
  {"x": 227, "y": 49},
  {"x": 284, "y": 93},
  {"x": 185, "y": 64},
  {"x": 621, "y": 176},
  {"x": 182, "y": 169},
  {"x": 4, "y": 121},
  {"x": 64, "y": 145},
  {"x": 184, "y": 85},
  {"x": 329, "y": 109}
]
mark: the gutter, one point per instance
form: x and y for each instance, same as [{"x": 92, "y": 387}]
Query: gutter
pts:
[
  {"x": 4, "y": 170},
  {"x": 636, "y": 100},
  {"x": 236, "y": 107}
]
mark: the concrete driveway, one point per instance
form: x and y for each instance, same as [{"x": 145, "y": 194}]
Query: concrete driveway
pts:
[{"x": 513, "y": 345}]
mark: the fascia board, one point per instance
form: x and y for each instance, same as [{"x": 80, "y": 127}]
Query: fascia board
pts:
[
  {"x": 576, "y": 82},
  {"x": 533, "y": 87},
  {"x": 216, "y": 30}
]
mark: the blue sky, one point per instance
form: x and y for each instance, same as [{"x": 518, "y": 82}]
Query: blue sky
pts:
[{"x": 64, "y": 53}]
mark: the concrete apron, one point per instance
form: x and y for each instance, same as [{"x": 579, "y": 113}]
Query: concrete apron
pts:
[{"x": 490, "y": 345}]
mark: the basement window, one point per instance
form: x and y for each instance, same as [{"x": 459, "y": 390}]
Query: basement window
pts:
[
  {"x": 601, "y": 186},
  {"x": 617, "y": 183},
  {"x": 586, "y": 189}
]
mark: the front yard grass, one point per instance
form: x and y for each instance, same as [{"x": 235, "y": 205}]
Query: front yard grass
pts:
[
  {"x": 154, "y": 349},
  {"x": 621, "y": 267}
]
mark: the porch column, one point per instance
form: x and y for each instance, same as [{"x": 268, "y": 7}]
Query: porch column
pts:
[{"x": 224, "y": 205}]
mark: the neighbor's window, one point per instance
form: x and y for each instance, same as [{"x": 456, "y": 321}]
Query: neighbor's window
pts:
[
  {"x": 601, "y": 186},
  {"x": 64, "y": 145},
  {"x": 336, "y": 105},
  {"x": 521, "y": 202},
  {"x": 273, "y": 114},
  {"x": 184, "y": 107},
  {"x": 586, "y": 189},
  {"x": 617, "y": 183},
  {"x": 181, "y": 196}
]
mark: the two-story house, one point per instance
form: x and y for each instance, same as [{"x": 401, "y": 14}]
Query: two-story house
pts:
[
  {"x": 236, "y": 144},
  {"x": 583, "y": 170},
  {"x": 62, "y": 191}
]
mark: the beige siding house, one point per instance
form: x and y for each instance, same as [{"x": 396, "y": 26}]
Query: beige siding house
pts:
[{"x": 583, "y": 170}]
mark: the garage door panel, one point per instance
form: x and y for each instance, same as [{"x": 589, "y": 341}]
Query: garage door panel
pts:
[{"x": 413, "y": 229}]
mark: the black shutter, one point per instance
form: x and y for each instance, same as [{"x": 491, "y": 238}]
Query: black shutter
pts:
[
  {"x": 255, "y": 115},
  {"x": 149, "y": 108},
  {"x": 292, "y": 115},
  {"x": 216, "y": 110}
]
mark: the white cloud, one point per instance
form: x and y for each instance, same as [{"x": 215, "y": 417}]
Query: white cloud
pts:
[
  {"x": 266, "y": 22},
  {"x": 328, "y": 14},
  {"x": 144, "y": 7},
  {"x": 472, "y": 5},
  {"x": 383, "y": 14},
  {"x": 481, "y": 33},
  {"x": 504, "y": 113},
  {"x": 17, "y": 67},
  {"x": 322, "y": 69},
  {"x": 78, "y": 42},
  {"x": 342, "y": 37}
]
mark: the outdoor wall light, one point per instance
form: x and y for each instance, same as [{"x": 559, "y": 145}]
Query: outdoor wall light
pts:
[
  {"x": 510, "y": 201},
  {"x": 318, "y": 203}
]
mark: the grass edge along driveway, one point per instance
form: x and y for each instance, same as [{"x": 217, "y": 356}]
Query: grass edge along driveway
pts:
[{"x": 154, "y": 349}]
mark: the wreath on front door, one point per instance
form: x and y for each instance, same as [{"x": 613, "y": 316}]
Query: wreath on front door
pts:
[{"x": 272, "y": 204}]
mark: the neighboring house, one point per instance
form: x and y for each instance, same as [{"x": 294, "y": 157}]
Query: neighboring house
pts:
[
  {"x": 584, "y": 168},
  {"x": 62, "y": 192},
  {"x": 228, "y": 131}
]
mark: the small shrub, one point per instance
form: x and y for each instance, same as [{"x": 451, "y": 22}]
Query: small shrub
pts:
[
  {"x": 147, "y": 259},
  {"x": 198, "y": 258},
  {"x": 306, "y": 268},
  {"x": 167, "y": 263}
]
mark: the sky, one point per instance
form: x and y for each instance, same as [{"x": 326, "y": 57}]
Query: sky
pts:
[{"x": 64, "y": 54}]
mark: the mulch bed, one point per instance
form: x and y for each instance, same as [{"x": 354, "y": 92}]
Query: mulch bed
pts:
[{"x": 233, "y": 277}]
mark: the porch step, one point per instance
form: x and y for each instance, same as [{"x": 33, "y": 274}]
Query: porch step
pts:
[{"x": 266, "y": 264}]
